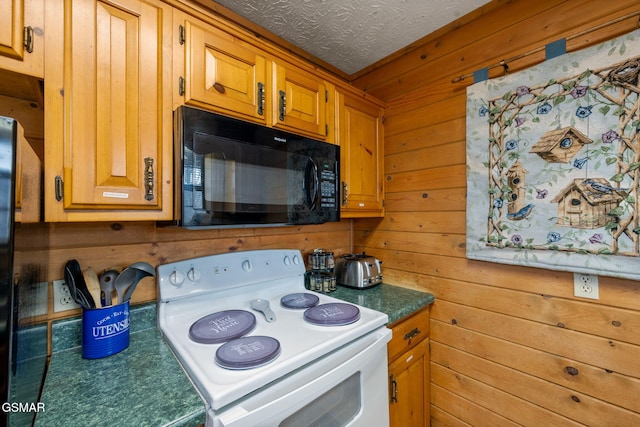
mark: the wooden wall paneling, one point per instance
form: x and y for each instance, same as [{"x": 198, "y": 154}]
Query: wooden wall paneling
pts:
[
  {"x": 441, "y": 244},
  {"x": 435, "y": 222},
  {"x": 416, "y": 268},
  {"x": 440, "y": 177},
  {"x": 603, "y": 352},
  {"x": 61, "y": 235},
  {"x": 604, "y": 321},
  {"x": 565, "y": 401},
  {"x": 103, "y": 245},
  {"x": 158, "y": 252},
  {"x": 433, "y": 156},
  {"x": 411, "y": 118},
  {"x": 442, "y": 199},
  {"x": 501, "y": 333},
  {"x": 586, "y": 379},
  {"x": 426, "y": 134},
  {"x": 512, "y": 408},
  {"x": 444, "y": 404}
]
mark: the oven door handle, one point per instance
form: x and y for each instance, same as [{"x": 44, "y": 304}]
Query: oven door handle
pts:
[{"x": 311, "y": 184}]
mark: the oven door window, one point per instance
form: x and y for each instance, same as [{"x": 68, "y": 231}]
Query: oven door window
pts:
[
  {"x": 336, "y": 407},
  {"x": 230, "y": 182}
]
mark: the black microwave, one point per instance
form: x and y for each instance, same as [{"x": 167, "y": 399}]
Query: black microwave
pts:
[{"x": 234, "y": 173}]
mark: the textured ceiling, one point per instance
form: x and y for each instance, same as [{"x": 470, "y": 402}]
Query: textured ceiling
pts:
[{"x": 351, "y": 34}]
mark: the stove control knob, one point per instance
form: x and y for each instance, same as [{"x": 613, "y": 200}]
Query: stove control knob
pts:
[
  {"x": 176, "y": 278},
  {"x": 287, "y": 260},
  {"x": 194, "y": 275},
  {"x": 246, "y": 265},
  {"x": 296, "y": 259}
]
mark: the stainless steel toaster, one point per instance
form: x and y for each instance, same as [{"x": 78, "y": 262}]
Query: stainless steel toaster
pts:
[{"x": 358, "y": 270}]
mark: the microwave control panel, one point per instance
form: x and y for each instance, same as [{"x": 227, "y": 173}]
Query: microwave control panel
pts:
[{"x": 328, "y": 188}]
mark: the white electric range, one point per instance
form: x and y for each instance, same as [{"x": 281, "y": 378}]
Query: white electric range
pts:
[{"x": 311, "y": 360}]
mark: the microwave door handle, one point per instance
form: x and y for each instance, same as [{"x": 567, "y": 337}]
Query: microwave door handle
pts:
[{"x": 310, "y": 184}]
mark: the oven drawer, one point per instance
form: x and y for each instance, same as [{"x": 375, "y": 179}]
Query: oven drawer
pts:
[{"x": 408, "y": 333}]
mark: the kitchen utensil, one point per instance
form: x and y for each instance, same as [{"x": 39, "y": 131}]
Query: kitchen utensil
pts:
[
  {"x": 93, "y": 284},
  {"x": 127, "y": 281},
  {"x": 77, "y": 286},
  {"x": 107, "y": 280},
  {"x": 262, "y": 305},
  {"x": 144, "y": 267},
  {"x": 122, "y": 283}
]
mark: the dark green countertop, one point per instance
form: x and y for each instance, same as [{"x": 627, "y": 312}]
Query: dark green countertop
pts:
[
  {"x": 395, "y": 301},
  {"x": 144, "y": 385}
]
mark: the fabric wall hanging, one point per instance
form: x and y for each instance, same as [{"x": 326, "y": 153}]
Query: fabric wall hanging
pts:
[{"x": 553, "y": 163}]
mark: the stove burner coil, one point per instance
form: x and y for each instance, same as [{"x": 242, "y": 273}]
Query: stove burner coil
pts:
[
  {"x": 247, "y": 352},
  {"x": 299, "y": 300},
  {"x": 332, "y": 314},
  {"x": 222, "y": 326}
]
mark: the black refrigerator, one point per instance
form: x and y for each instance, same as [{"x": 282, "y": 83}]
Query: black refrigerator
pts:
[{"x": 8, "y": 144}]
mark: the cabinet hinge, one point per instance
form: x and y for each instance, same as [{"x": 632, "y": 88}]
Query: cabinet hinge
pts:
[
  {"x": 181, "y": 37},
  {"x": 382, "y": 119},
  {"x": 326, "y": 95},
  {"x": 59, "y": 188},
  {"x": 27, "y": 39},
  {"x": 181, "y": 86},
  {"x": 326, "y": 129}
]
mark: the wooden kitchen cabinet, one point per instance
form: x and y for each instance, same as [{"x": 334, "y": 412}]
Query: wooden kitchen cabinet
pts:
[
  {"x": 361, "y": 138},
  {"x": 300, "y": 101},
  {"x": 409, "y": 379},
  {"x": 22, "y": 36},
  {"x": 219, "y": 71},
  {"x": 108, "y": 149}
]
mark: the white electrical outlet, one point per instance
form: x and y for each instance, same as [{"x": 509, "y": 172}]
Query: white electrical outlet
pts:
[
  {"x": 62, "y": 300},
  {"x": 585, "y": 285}
]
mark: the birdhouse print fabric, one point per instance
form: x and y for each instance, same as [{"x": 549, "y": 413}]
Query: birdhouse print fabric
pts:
[{"x": 553, "y": 163}]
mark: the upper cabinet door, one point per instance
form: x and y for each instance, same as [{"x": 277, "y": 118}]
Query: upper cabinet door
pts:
[
  {"x": 11, "y": 27},
  {"x": 223, "y": 73},
  {"x": 299, "y": 101},
  {"x": 361, "y": 138},
  {"x": 22, "y": 36},
  {"x": 116, "y": 139}
]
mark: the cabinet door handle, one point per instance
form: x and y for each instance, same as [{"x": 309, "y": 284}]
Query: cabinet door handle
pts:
[
  {"x": 393, "y": 389},
  {"x": 412, "y": 334},
  {"x": 148, "y": 178},
  {"x": 260, "y": 98},
  {"x": 219, "y": 87},
  {"x": 283, "y": 105},
  {"x": 28, "y": 39},
  {"x": 59, "y": 188},
  {"x": 181, "y": 86}
]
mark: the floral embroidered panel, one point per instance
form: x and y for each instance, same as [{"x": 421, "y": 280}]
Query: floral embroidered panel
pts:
[{"x": 553, "y": 163}]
